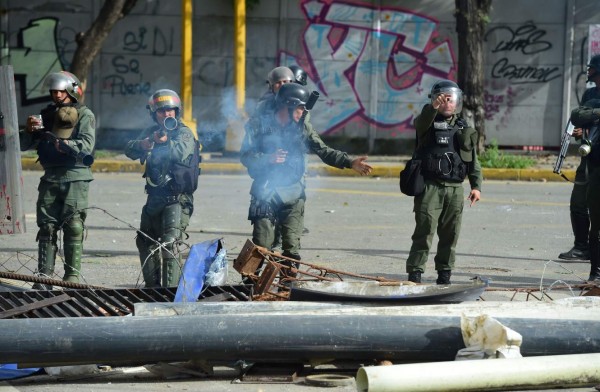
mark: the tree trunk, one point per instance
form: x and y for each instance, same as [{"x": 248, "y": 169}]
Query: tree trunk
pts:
[
  {"x": 90, "y": 42},
  {"x": 471, "y": 19}
]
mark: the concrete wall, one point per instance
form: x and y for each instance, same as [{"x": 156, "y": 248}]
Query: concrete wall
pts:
[{"x": 372, "y": 61}]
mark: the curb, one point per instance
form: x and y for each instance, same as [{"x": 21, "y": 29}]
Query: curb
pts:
[{"x": 386, "y": 170}]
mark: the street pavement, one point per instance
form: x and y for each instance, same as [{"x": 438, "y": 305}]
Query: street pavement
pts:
[{"x": 356, "y": 224}]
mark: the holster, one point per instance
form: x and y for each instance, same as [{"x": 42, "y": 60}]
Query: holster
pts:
[{"x": 260, "y": 209}]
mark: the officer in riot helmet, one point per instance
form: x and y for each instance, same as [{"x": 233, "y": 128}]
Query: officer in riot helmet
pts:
[
  {"x": 578, "y": 206},
  {"x": 63, "y": 133},
  {"x": 170, "y": 153},
  {"x": 276, "y": 78},
  {"x": 300, "y": 75},
  {"x": 446, "y": 145},
  {"x": 274, "y": 152},
  {"x": 279, "y": 76}
]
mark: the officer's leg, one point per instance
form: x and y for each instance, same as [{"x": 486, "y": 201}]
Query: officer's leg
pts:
[
  {"x": 277, "y": 241},
  {"x": 427, "y": 209},
  {"x": 263, "y": 232},
  {"x": 73, "y": 248},
  {"x": 580, "y": 219},
  {"x": 448, "y": 231},
  {"x": 171, "y": 239},
  {"x": 147, "y": 248},
  {"x": 47, "y": 215},
  {"x": 46, "y": 238},
  {"x": 292, "y": 223},
  {"x": 73, "y": 218}
]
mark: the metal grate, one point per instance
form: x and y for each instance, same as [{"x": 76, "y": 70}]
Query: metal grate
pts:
[{"x": 101, "y": 302}]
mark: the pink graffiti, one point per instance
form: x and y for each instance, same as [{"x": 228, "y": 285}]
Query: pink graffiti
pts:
[{"x": 354, "y": 52}]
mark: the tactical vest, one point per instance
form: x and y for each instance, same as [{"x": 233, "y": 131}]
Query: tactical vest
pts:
[
  {"x": 185, "y": 175},
  {"x": 47, "y": 153},
  {"x": 290, "y": 138},
  {"x": 169, "y": 178},
  {"x": 440, "y": 153}
]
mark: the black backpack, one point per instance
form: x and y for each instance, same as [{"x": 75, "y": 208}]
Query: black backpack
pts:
[{"x": 185, "y": 176}]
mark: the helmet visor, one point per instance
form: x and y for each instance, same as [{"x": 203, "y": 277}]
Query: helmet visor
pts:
[{"x": 453, "y": 101}]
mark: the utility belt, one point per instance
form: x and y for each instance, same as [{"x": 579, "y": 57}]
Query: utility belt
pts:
[
  {"x": 445, "y": 166},
  {"x": 164, "y": 193}
]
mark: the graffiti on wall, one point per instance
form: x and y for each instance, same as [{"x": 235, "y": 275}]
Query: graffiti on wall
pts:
[
  {"x": 126, "y": 76},
  {"x": 36, "y": 55},
  {"x": 42, "y": 47},
  {"x": 355, "y": 52},
  {"x": 509, "y": 79},
  {"x": 527, "y": 40}
]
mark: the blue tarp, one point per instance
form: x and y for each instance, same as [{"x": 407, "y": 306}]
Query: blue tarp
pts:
[
  {"x": 9, "y": 371},
  {"x": 206, "y": 264}
]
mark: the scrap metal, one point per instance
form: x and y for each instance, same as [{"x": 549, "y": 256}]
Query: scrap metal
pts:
[{"x": 272, "y": 281}]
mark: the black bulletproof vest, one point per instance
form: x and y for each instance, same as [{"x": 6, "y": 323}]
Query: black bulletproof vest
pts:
[
  {"x": 271, "y": 138},
  {"x": 440, "y": 153}
]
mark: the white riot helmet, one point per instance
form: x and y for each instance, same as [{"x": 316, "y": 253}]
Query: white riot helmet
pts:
[
  {"x": 451, "y": 91},
  {"x": 64, "y": 81}
]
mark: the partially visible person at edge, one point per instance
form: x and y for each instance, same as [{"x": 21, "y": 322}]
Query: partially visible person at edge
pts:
[
  {"x": 165, "y": 147},
  {"x": 447, "y": 147},
  {"x": 63, "y": 189},
  {"x": 587, "y": 116},
  {"x": 580, "y": 217},
  {"x": 274, "y": 152}
]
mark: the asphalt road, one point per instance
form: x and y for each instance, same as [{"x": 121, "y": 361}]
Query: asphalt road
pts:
[{"x": 358, "y": 225}]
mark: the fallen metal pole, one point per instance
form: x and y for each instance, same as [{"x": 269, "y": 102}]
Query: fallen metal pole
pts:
[
  {"x": 483, "y": 375},
  {"x": 302, "y": 336},
  {"x": 577, "y": 308}
]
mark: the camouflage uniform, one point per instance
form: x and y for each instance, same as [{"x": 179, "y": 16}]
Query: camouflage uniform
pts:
[
  {"x": 167, "y": 212},
  {"x": 277, "y": 192},
  {"x": 63, "y": 191},
  {"x": 440, "y": 206}
]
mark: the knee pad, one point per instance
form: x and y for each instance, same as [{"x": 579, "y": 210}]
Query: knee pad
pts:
[{"x": 73, "y": 230}]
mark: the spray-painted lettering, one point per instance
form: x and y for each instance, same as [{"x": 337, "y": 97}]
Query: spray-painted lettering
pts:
[
  {"x": 525, "y": 39},
  {"x": 160, "y": 42},
  {"x": 123, "y": 66},
  {"x": 525, "y": 73},
  {"x": 117, "y": 85}
]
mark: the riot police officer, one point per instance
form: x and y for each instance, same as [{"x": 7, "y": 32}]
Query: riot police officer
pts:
[
  {"x": 63, "y": 190},
  {"x": 587, "y": 117},
  {"x": 274, "y": 152},
  {"x": 166, "y": 148},
  {"x": 447, "y": 147},
  {"x": 580, "y": 218}
]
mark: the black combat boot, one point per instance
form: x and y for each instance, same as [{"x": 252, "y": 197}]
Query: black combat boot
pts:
[
  {"x": 444, "y": 277},
  {"x": 594, "y": 260},
  {"x": 414, "y": 276},
  {"x": 581, "y": 228}
]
